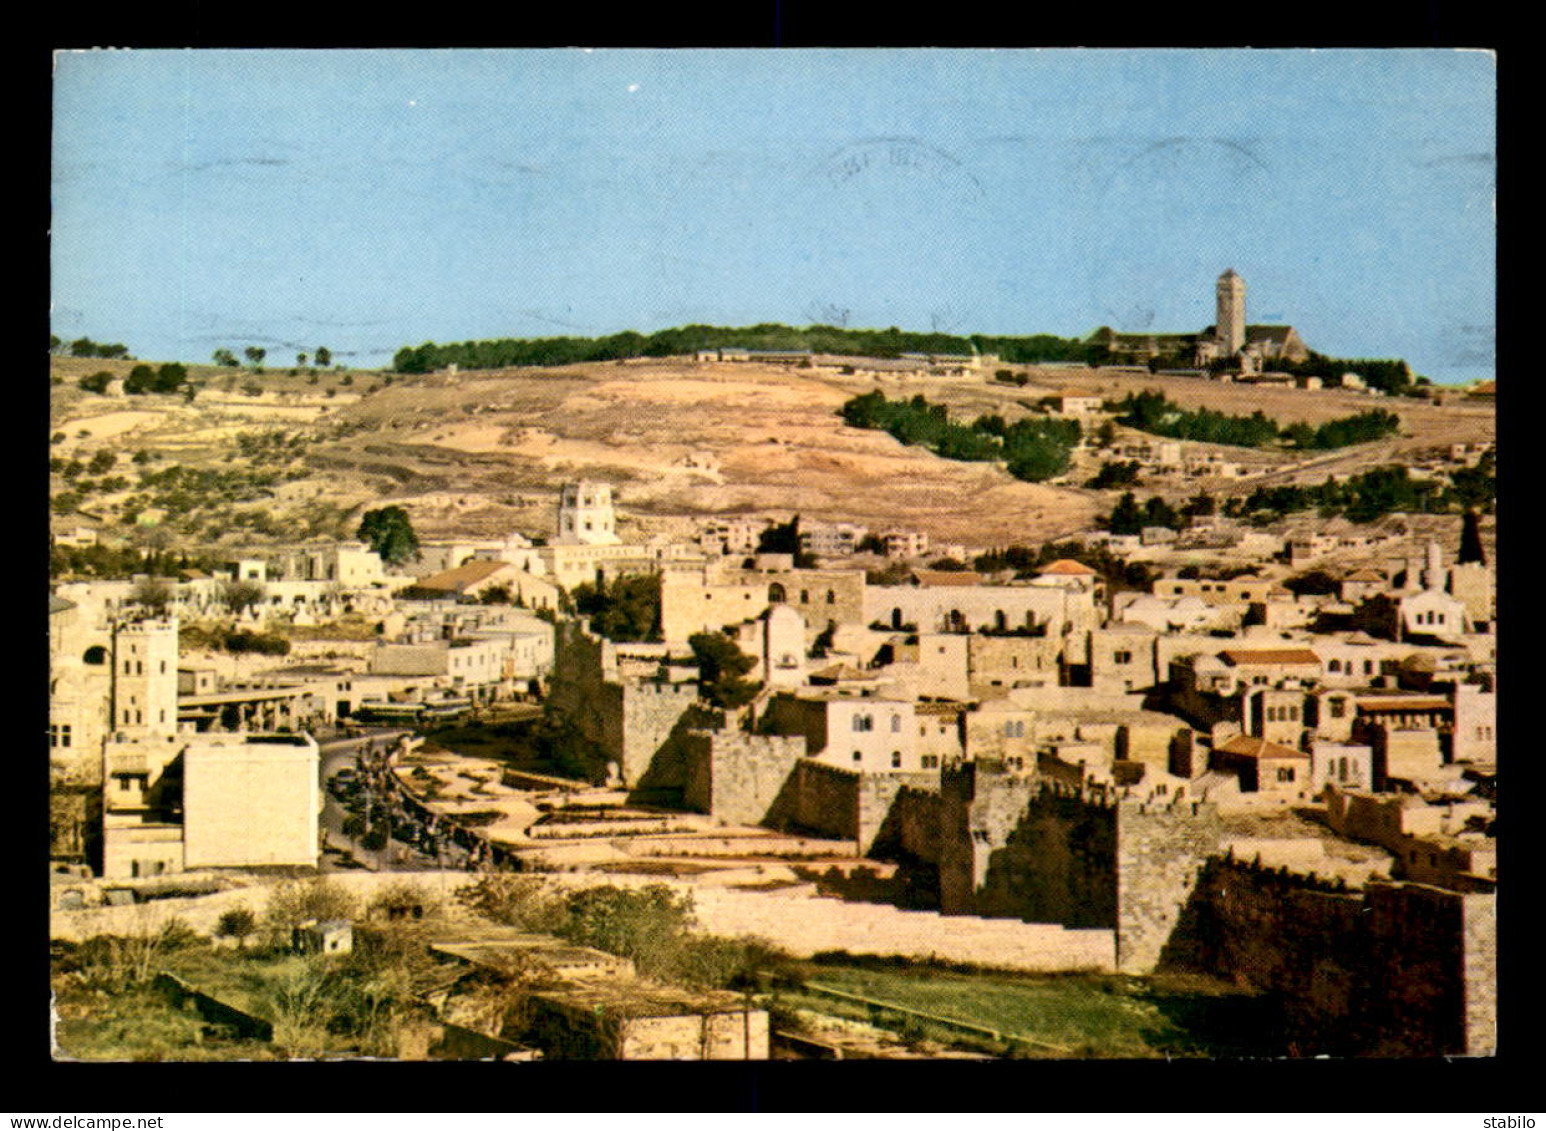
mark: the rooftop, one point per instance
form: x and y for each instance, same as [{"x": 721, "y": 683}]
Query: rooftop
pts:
[
  {"x": 1066, "y": 567},
  {"x": 1240, "y": 658},
  {"x": 1248, "y": 747}
]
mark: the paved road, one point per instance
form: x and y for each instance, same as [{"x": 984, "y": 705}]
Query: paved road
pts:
[{"x": 343, "y": 753}]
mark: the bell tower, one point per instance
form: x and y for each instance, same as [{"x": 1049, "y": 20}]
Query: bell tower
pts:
[{"x": 1230, "y": 326}]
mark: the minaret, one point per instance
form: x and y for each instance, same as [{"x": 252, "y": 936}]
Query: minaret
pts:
[{"x": 1230, "y": 326}]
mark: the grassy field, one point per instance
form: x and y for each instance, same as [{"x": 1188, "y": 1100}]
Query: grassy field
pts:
[
  {"x": 1058, "y": 1016},
  {"x": 140, "y": 1024}
]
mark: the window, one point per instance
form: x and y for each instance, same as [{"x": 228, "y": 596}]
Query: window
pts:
[
  {"x": 1122, "y": 658},
  {"x": 896, "y": 759},
  {"x": 163, "y": 663},
  {"x": 1368, "y": 667},
  {"x": 805, "y": 596},
  {"x": 1293, "y": 714},
  {"x": 1285, "y": 773},
  {"x": 858, "y": 757},
  {"x": 930, "y": 761},
  {"x": 1336, "y": 708},
  {"x": 831, "y": 597},
  {"x": 896, "y": 724},
  {"x": 1334, "y": 666},
  {"x": 775, "y": 594}
]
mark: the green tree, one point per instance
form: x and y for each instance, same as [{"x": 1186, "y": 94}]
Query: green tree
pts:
[
  {"x": 101, "y": 462},
  {"x": 389, "y": 532},
  {"x": 721, "y": 666},
  {"x": 141, "y": 380},
  {"x": 96, "y": 382},
  {"x": 154, "y": 594},
  {"x": 324, "y": 356},
  {"x": 170, "y": 377},
  {"x": 1157, "y": 512},
  {"x": 255, "y": 356},
  {"x": 1126, "y": 516},
  {"x": 239, "y": 923},
  {"x": 225, "y": 357},
  {"x": 238, "y": 595},
  {"x": 1471, "y": 549},
  {"x": 626, "y": 610}
]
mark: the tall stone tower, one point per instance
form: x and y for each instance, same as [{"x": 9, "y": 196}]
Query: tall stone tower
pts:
[
  {"x": 1230, "y": 326},
  {"x": 585, "y": 515},
  {"x": 144, "y": 687}
]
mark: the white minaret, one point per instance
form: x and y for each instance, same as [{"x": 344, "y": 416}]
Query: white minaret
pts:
[
  {"x": 1433, "y": 566},
  {"x": 1230, "y": 326},
  {"x": 585, "y": 515}
]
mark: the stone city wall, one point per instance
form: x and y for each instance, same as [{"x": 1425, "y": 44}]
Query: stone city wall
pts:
[{"x": 1394, "y": 970}]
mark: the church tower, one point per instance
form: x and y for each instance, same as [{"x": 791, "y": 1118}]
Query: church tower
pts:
[
  {"x": 585, "y": 515},
  {"x": 1230, "y": 326}
]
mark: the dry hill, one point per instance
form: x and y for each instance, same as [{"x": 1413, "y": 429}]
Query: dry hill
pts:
[{"x": 482, "y": 453}]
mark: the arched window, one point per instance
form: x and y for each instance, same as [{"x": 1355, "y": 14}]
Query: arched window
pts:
[
  {"x": 1334, "y": 666},
  {"x": 831, "y": 597},
  {"x": 775, "y": 594},
  {"x": 96, "y": 654},
  {"x": 896, "y": 618}
]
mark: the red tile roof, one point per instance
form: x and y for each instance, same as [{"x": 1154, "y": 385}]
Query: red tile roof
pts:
[
  {"x": 945, "y": 578},
  {"x": 1270, "y": 656},
  {"x": 1248, "y": 747},
  {"x": 1067, "y": 567},
  {"x": 457, "y": 580}
]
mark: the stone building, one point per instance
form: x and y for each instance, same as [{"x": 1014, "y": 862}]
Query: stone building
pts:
[
  {"x": 585, "y": 516},
  {"x": 210, "y": 801},
  {"x": 1252, "y": 347},
  {"x": 622, "y": 699},
  {"x": 1102, "y": 858}
]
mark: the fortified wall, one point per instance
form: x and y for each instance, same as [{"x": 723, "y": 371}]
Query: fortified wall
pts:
[
  {"x": 1015, "y": 847},
  {"x": 629, "y": 720},
  {"x": 1398, "y": 969},
  {"x": 739, "y": 777}
]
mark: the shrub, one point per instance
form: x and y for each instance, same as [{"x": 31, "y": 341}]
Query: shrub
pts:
[
  {"x": 294, "y": 902},
  {"x": 518, "y": 901},
  {"x": 237, "y": 923}
]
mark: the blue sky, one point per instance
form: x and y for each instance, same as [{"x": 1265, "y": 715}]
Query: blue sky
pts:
[{"x": 366, "y": 200}]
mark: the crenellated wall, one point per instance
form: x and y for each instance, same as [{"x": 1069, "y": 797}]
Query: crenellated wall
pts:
[{"x": 1398, "y": 969}]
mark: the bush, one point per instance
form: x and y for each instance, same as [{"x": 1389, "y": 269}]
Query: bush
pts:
[
  {"x": 97, "y": 382},
  {"x": 404, "y": 899},
  {"x": 646, "y": 924},
  {"x": 517, "y": 901},
  {"x": 238, "y": 924},
  {"x": 296, "y": 901}
]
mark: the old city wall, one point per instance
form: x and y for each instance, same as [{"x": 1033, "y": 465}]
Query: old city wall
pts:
[
  {"x": 1395, "y": 970},
  {"x": 1055, "y": 864},
  {"x": 1160, "y": 850},
  {"x": 650, "y": 715},
  {"x": 741, "y": 778},
  {"x": 825, "y": 799},
  {"x": 850, "y": 805},
  {"x": 580, "y": 695},
  {"x": 880, "y": 795}
]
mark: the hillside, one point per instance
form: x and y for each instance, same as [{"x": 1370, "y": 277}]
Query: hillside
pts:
[{"x": 484, "y": 452}]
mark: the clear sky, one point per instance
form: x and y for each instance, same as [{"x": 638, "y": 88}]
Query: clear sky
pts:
[{"x": 366, "y": 200}]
